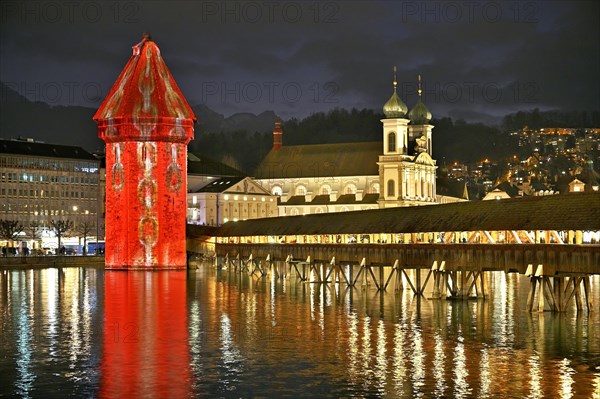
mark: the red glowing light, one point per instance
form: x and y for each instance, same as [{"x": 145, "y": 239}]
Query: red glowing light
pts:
[
  {"x": 145, "y": 343},
  {"x": 146, "y": 124}
]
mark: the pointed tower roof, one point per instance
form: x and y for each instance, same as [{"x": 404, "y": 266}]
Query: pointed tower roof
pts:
[
  {"x": 146, "y": 97},
  {"x": 394, "y": 107},
  {"x": 419, "y": 115}
]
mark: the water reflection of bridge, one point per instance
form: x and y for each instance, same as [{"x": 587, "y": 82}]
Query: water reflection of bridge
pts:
[{"x": 553, "y": 240}]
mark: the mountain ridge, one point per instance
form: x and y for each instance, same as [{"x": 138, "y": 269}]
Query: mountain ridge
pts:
[{"x": 21, "y": 117}]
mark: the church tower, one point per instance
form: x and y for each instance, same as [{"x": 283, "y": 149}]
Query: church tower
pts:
[
  {"x": 406, "y": 169},
  {"x": 419, "y": 121},
  {"x": 146, "y": 124}
]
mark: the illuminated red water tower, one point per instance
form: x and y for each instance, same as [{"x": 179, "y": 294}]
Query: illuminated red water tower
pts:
[{"x": 146, "y": 124}]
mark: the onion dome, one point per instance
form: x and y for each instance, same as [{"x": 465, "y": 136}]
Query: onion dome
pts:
[
  {"x": 419, "y": 114},
  {"x": 395, "y": 107},
  {"x": 145, "y": 103}
]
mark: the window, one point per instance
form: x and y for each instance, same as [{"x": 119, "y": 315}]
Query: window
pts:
[
  {"x": 350, "y": 188},
  {"x": 300, "y": 190},
  {"x": 325, "y": 189},
  {"x": 391, "y": 188},
  {"x": 374, "y": 189},
  {"x": 391, "y": 142},
  {"x": 276, "y": 190}
]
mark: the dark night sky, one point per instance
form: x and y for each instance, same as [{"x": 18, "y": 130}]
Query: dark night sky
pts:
[{"x": 479, "y": 59}]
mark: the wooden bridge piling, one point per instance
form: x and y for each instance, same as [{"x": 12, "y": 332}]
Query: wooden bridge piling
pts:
[{"x": 455, "y": 271}]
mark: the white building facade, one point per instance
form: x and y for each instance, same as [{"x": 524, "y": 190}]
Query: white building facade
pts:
[{"x": 230, "y": 199}]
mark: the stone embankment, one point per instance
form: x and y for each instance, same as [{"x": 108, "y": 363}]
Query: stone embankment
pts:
[{"x": 43, "y": 262}]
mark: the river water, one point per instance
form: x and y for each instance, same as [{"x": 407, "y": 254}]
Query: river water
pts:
[{"x": 212, "y": 333}]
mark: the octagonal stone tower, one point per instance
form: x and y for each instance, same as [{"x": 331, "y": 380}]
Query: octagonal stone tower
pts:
[{"x": 146, "y": 124}]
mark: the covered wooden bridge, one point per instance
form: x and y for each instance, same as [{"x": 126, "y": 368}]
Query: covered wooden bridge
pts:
[{"x": 551, "y": 237}]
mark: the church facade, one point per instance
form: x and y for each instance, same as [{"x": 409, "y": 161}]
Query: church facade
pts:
[{"x": 397, "y": 171}]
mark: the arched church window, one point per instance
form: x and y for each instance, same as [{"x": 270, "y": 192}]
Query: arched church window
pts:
[
  {"x": 300, "y": 190},
  {"x": 276, "y": 190},
  {"x": 325, "y": 189},
  {"x": 350, "y": 188},
  {"x": 391, "y": 188},
  {"x": 391, "y": 142}
]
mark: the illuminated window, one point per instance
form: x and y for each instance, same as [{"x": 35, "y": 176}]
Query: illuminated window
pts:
[
  {"x": 276, "y": 190},
  {"x": 194, "y": 200}
]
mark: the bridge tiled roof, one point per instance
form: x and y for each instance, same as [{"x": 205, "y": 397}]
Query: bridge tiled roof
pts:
[
  {"x": 577, "y": 211},
  {"x": 345, "y": 199}
]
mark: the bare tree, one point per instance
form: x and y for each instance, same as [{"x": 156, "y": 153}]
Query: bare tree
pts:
[
  {"x": 85, "y": 228},
  {"x": 34, "y": 229},
  {"x": 10, "y": 229},
  {"x": 61, "y": 228}
]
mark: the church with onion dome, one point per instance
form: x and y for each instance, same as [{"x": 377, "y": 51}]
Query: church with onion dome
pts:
[
  {"x": 322, "y": 178},
  {"x": 406, "y": 168}
]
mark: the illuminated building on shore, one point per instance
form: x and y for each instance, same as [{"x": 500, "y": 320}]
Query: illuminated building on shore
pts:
[
  {"x": 41, "y": 182},
  {"x": 230, "y": 199},
  {"x": 146, "y": 124},
  {"x": 324, "y": 178}
]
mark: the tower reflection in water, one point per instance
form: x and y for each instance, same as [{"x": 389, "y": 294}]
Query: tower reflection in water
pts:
[{"x": 145, "y": 344}]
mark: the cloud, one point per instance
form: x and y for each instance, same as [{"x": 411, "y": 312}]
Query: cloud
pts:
[{"x": 477, "y": 58}]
